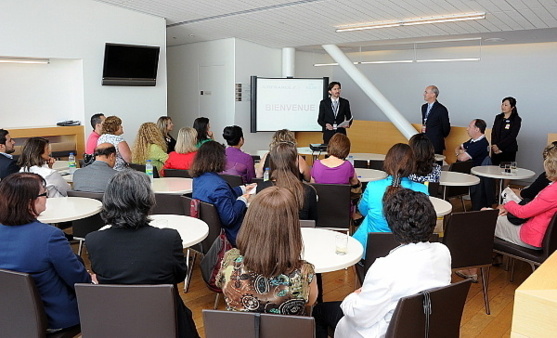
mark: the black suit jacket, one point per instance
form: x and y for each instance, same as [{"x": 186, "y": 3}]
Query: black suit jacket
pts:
[
  {"x": 326, "y": 114},
  {"x": 7, "y": 166},
  {"x": 437, "y": 125},
  {"x": 503, "y": 137}
]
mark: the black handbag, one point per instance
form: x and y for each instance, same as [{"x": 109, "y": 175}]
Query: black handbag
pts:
[{"x": 516, "y": 220}]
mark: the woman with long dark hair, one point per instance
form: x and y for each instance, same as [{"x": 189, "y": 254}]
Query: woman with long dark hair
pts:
[
  {"x": 426, "y": 170},
  {"x": 504, "y": 132},
  {"x": 204, "y": 133}
]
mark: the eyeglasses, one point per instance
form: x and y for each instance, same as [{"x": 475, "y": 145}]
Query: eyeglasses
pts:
[{"x": 44, "y": 194}]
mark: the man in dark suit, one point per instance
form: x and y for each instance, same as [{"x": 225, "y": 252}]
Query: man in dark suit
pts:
[
  {"x": 333, "y": 111},
  {"x": 435, "y": 119},
  {"x": 7, "y": 163}
]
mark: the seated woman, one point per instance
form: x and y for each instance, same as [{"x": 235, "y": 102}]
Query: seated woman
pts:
[
  {"x": 184, "y": 154},
  {"x": 149, "y": 145},
  {"x": 131, "y": 251},
  {"x": 237, "y": 162},
  {"x": 426, "y": 170},
  {"x": 266, "y": 273},
  {"x": 414, "y": 266},
  {"x": 541, "y": 182},
  {"x": 334, "y": 169},
  {"x": 38, "y": 249},
  {"x": 165, "y": 125},
  {"x": 203, "y": 128},
  {"x": 112, "y": 131},
  {"x": 208, "y": 186},
  {"x": 399, "y": 164},
  {"x": 35, "y": 158},
  {"x": 284, "y": 174},
  {"x": 284, "y": 135}
]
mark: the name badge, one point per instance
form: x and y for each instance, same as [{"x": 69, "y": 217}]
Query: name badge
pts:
[{"x": 508, "y": 126}]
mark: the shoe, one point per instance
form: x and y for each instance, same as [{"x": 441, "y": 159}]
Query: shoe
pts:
[{"x": 461, "y": 274}]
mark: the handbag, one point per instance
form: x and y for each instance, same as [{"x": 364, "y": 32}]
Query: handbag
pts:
[
  {"x": 516, "y": 220},
  {"x": 212, "y": 261}
]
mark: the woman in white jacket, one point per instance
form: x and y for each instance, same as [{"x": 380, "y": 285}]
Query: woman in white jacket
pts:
[{"x": 35, "y": 158}]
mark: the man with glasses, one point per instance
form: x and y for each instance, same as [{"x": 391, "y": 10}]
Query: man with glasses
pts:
[{"x": 7, "y": 163}]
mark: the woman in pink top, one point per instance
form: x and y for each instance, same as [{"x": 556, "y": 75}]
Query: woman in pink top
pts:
[{"x": 184, "y": 154}]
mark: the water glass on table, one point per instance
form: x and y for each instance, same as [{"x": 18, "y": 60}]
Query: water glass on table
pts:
[{"x": 341, "y": 244}]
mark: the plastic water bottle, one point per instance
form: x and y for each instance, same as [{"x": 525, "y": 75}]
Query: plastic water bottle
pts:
[
  {"x": 266, "y": 174},
  {"x": 351, "y": 159},
  {"x": 71, "y": 164},
  {"x": 149, "y": 170}
]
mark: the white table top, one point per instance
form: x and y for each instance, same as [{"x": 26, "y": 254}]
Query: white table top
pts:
[
  {"x": 172, "y": 185},
  {"x": 61, "y": 165},
  {"x": 319, "y": 250},
  {"x": 441, "y": 206},
  {"x": 65, "y": 209},
  {"x": 455, "y": 179},
  {"x": 494, "y": 171},
  {"x": 191, "y": 229},
  {"x": 381, "y": 157},
  {"x": 368, "y": 175}
]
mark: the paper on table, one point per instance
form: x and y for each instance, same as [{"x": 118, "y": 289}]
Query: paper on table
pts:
[{"x": 345, "y": 123}]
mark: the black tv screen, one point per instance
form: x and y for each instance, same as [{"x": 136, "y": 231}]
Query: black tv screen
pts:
[{"x": 130, "y": 65}]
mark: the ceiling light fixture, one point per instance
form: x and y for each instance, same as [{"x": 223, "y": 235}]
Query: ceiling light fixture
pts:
[
  {"x": 410, "y": 22},
  {"x": 23, "y": 60},
  {"x": 449, "y": 60}
]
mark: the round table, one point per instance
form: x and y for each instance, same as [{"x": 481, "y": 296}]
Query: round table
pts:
[
  {"x": 172, "y": 185},
  {"x": 494, "y": 171},
  {"x": 191, "y": 229},
  {"x": 381, "y": 157},
  {"x": 455, "y": 179},
  {"x": 319, "y": 250},
  {"x": 368, "y": 175},
  {"x": 65, "y": 209},
  {"x": 61, "y": 165},
  {"x": 441, "y": 206}
]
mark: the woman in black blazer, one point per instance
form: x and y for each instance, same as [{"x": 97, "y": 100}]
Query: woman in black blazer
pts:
[{"x": 505, "y": 130}]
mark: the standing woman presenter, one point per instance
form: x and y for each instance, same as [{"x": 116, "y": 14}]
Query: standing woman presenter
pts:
[{"x": 504, "y": 132}]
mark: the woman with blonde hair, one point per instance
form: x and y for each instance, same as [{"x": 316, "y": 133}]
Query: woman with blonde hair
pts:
[
  {"x": 266, "y": 273},
  {"x": 165, "y": 125},
  {"x": 112, "y": 131},
  {"x": 284, "y": 135},
  {"x": 183, "y": 155},
  {"x": 149, "y": 145}
]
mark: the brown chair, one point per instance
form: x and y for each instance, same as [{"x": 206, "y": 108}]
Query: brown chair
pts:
[
  {"x": 21, "y": 308},
  {"x": 177, "y": 173},
  {"x": 169, "y": 204},
  {"x": 262, "y": 325},
  {"x": 333, "y": 206},
  {"x": 361, "y": 164},
  {"x": 469, "y": 237},
  {"x": 533, "y": 257},
  {"x": 232, "y": 180},
  {"x": 82, "y": 227},
  {"x": 376, "y": 164},
  {"x": 431, "y": 313},
  {"x": 108, "y": 310},
  {"x": 452, "y": 192},
  {"x": 141, "y": 168}
]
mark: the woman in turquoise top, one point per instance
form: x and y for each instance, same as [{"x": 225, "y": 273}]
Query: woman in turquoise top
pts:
[{"x": 399, "y": 164}]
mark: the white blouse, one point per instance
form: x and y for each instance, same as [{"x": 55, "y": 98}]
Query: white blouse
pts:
[{"x": 55, "y": 183}]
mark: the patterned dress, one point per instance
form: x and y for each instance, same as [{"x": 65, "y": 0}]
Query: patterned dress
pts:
[{"x": 247, "y": 291}]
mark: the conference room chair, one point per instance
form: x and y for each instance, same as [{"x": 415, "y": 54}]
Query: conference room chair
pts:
[
  {"x": 433, "y": 189},
  {"x": 108, "y": 310},
  {"x": 469, "y": 237},
  {"x": 361, "y": 164},
  {"x": 453, "y": 192},
  {"x": 376, "y": 164},
  {"x": 169, "y": 204},
  {"x": 257, "y": 180},
  {"x": 256, "y": 159},
  {"x": 233, "y": 324},
  {"x": 333, "y": 206},
  {"x": 533, "y": 257},
  {"x": 141, "y": 168},
  {"x": 232, "y": 180},
  {"x": 432, "y": 313},
  {"x": 81, "y": 227},
  {"x": 177, "y": 173},
  {"x": 307, "y": 223},
  {"x": 21, "y": 308}
]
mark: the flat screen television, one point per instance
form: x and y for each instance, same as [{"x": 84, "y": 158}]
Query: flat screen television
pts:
[{"x": 130, "y": 65}]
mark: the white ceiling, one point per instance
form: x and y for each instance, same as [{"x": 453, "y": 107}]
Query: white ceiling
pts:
[{"x": 307, "y": 24}]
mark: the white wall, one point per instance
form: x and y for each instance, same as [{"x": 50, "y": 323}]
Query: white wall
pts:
[{"x": 73, "y": 34}]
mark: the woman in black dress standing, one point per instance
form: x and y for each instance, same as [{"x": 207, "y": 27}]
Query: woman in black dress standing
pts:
[{"x": 505, "y": 130}]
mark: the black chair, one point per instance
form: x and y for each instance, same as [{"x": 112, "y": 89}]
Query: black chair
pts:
[
  {"x": 108, "y": 310},
  {"x": 261, "y": 325},
  {"x": 452, "y": 192},
  {"x": 141, "y": 167},
  {"x": 169, "y": 204},
  {"x": 177, "y": 173},
  {"x": 433, "y": 189},
  {"x": 82, "y": 227},
  {"x": 361, "y": 164},
  {"x": 333, "y": 206},
  {"x": 469, "y": 237},
  {"x": 376, "y": 164},
  {"x": 431, "y": 313},
  {"x": 21, "y": 308},
  {"x": 256, "y": 158},
  {"x": 232, "y": 180},
  {"x": 533, "y": 257},
  {"x": 257, "y": 180}
]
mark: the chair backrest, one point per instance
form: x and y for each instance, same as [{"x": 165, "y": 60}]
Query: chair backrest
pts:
[
  {"x": 82, "y": 227},
  {"x": 233, "y": 180},
  {"x": 169, "y": 204},
  {"x": 257, "y": 180},
  {"x": 433, "y": 189},
  {"x": 208, "y": 214},
  {"x": 333, "y": 205},
  {"x": 459, "y": 167},
  {"x": 248, "y": 324},
  {"x": 256, "y": 158},
  {"x": 21, "y": 308},
  {"x": 88, "y": 194},
  {"x": 177, "y": 173},
  {"x": 376, "y": 164},
  {"x": 469, "y": 237},
  {"x": 141, "y": 167},
  {"x": 108, "y": 310},
  {"x": 361, "y": 164},
  {"x": 307, "y": 223},
  {"x": 446, "y": 304},
  {"x": 549, "y": 243}
]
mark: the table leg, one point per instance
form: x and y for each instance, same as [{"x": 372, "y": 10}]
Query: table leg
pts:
[
  {"x": 445, "y": 192},
  {"x": 319, "y": 287},
  {"x": 189, "y": 265},
  {"x": 501, "y": 191}
]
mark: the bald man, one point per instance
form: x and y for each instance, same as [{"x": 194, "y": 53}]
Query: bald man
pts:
[
  {"x": 95, "y": 176},
  {"x": 435, "y": 119}
]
